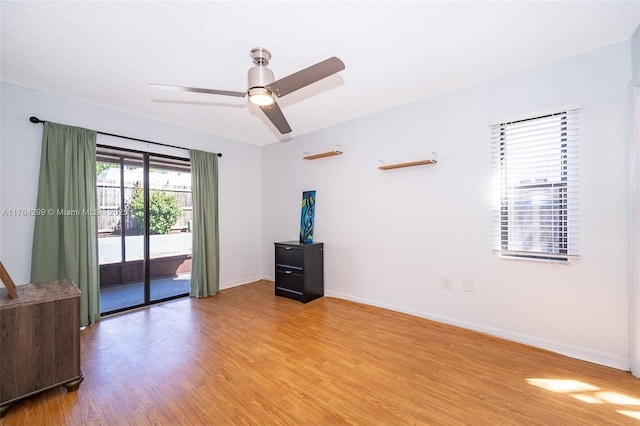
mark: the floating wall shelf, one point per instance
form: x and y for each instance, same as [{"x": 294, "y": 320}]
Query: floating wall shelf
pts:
[
  {"x": 323, "y": 154},
  {"x": 410, "y": 164}
]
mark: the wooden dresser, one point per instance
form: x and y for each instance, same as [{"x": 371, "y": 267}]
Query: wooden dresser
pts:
[{"x": 39, "y": 340}]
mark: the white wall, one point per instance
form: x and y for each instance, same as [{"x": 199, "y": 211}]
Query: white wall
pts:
[
  {"x": 390, "y": 236},
  {"x": 239, "y": 176},
  {"x": 634, "y": 219},
  {"x": 635, "y": 57}
]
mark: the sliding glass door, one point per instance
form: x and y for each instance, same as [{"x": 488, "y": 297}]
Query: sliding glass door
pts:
[{"x": 144, "y": 242}]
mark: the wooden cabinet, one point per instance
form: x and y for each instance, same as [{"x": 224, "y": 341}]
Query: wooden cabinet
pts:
[
  {"x": 39, "y": 340},
  {"x": 299, "y": 270}
]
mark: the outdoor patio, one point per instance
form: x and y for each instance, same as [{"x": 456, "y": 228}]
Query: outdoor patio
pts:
[{"x": 127, "y": 295}]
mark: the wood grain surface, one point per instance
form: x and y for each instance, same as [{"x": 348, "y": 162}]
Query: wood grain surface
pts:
[{"x": 246, "y": 356}]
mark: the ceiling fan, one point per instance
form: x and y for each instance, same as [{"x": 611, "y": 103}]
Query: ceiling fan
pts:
[{"x": 263, "y": 90}]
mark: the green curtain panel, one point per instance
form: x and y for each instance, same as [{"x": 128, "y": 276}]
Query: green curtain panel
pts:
[
  {"x": 205, "y": 262},
  {"x": 65, "y": 238}
]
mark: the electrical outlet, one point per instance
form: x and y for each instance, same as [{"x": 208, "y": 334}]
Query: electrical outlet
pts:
[
  {"x": 467, "y": 284},
  {"x": 447, "y": 283}
]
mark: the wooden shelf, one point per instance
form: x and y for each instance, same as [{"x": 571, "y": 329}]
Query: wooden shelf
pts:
[
  {"x": 322, "y": 155},
  {"x": 410, "y": 164}
]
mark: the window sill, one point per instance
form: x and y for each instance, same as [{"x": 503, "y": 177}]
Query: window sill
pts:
[{"x": 557, "y": 261}]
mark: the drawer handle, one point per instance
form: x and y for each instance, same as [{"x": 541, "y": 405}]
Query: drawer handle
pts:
[
  {"x": 288, "y": 272},
  {"x": 287, "y": 248}
]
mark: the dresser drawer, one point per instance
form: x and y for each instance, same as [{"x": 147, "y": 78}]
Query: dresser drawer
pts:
[
  {"x": 292, "y": 257},
  {"x": 289, "y": 280}
]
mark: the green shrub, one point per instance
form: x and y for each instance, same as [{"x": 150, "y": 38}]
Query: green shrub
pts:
[{"x": 164, "y": 211}]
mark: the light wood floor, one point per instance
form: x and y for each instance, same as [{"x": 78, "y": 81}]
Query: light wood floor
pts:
[{"x": 248, "y": 357}]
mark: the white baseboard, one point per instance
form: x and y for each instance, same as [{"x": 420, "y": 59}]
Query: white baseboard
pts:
[
  {"x": 235, "y": 283},
  {"x": 577, "y": 352}
]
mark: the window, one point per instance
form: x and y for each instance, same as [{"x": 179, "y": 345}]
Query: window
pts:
[{"x": 535, "y": 161}]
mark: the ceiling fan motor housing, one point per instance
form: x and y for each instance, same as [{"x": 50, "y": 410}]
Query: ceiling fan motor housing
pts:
[{"x": 260, "y": 76}]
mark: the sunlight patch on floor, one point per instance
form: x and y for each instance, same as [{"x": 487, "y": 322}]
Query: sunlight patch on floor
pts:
[
  {"x": 562, "y": 385},
  {"x": 617, "y": 398},
  {"x": 632, "y": 414},
  {"x": 589, "y": 399},
  {"x": 588, "y": 393}
]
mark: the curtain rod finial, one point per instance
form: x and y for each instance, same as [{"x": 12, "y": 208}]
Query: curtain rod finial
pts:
[
  {"x": 219, "y": 154},
  {"x": 35, "y": 120}
]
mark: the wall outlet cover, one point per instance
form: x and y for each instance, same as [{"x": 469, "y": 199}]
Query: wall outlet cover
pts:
[{"x": 447, "y": 283}]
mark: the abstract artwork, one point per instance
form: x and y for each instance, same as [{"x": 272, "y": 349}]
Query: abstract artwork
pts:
[{"x": 306, "y": 220}]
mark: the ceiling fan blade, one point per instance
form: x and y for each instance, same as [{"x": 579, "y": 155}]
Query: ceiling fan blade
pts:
[
  {"x": 305, "y": 77},
  {"x": 199, "y": 90},
  {"x": 274, "y": 113}
]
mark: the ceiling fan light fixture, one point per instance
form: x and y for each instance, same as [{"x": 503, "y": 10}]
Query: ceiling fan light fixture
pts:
[{"x": 260, "y": 96}]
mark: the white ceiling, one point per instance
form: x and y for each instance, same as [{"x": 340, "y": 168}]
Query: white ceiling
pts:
[{"x": 395, "y": 52}]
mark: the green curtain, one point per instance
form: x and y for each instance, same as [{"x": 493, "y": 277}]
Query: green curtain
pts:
[
  {"x": 65, "y": 238},
  {"x": 205, "y": 261}
]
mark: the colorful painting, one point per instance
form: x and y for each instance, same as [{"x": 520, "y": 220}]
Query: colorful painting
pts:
[{"x": 306, "y": 220}]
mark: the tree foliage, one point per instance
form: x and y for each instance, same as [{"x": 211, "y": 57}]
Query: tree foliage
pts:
[
  {"x": 164, "y": 210},
  {"x": 100, "y": 167}
]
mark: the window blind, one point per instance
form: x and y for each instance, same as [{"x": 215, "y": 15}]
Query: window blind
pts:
[{"x": 536, "y": 164}]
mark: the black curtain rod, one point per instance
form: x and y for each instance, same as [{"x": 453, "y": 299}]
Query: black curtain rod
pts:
[{"x": 36, "y": 120}]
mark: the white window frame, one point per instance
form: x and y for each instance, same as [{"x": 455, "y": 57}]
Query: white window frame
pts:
[{"x": 535, "y": 160}]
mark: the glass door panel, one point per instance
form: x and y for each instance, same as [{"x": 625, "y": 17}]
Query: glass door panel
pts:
[
  {"x": 120, "y": 180},
  {"x": 170, "y": 215}
]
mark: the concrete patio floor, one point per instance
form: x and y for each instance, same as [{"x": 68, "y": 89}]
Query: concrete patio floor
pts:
[{"x": 132, "y": 294}]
